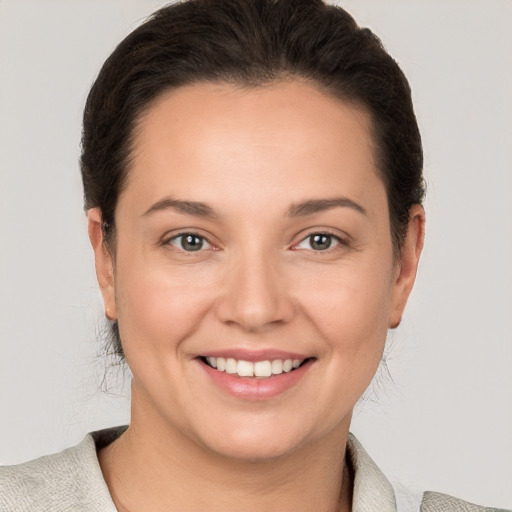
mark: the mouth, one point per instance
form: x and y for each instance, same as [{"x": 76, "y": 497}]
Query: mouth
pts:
[
  {"x": 256, "y": 375},
  {"x": 264, "y": 369}
]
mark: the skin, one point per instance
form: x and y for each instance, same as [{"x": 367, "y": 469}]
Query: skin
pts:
[{"x": 251, "y": 155}]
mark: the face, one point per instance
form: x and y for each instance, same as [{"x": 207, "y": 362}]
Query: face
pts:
[{"x": 254, "y": 277}]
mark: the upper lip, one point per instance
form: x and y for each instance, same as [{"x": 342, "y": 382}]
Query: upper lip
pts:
[{"x": 268, "y": 354}]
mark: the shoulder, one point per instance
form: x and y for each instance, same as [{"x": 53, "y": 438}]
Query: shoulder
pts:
[
  {"x": 69, "y": 480},
  {"x": 438, "y": 502},
  {"x": 373, "y": 491}
]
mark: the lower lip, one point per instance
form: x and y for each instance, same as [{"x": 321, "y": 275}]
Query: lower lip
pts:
[{"x": 252, "y": 388}]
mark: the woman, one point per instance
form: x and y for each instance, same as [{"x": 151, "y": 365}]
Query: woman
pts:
[{"x": 252, "y": 177}]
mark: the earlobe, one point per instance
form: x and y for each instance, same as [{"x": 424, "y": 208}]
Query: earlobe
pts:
[
  {"x": 103, "y": 262},
  {"x": 408, "y": 264}
]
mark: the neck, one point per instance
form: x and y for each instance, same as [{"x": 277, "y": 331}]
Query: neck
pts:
[{"x": 152, "y": 466}]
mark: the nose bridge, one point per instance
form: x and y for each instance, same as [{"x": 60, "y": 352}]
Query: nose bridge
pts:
[{"x": 255, "y": 295}]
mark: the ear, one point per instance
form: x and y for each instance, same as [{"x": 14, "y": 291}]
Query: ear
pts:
[
  {"x": 103, "y": 261},
  {"x": 408, "y": 264}
]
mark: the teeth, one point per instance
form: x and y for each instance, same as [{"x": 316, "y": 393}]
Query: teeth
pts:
[
  {"x": 287, "y": 365},
  {"x": 231, "y": 365},
  {"x": 248, "y": 369},
  {"x": 277, "y": 366},
  {"x": 263, "y": 369},
  {"x": 245, "y": 369}
]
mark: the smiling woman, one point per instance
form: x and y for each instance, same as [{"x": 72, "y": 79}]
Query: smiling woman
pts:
[
  {"x": 253, "y": 185},
  {"x": 282, "y": 222}
]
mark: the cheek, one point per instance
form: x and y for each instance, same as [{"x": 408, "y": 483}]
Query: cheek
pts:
[
  {"x": 356, "y": 298},
  {"x": 350, "y": 310},
  {"x": 158, "y": 308},
  {"x": 345, "y": 310}
]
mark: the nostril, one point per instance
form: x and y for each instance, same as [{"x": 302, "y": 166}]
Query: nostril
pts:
[
  {"x": 255, "y": 315},
  {"x": 254, "y": 296}
]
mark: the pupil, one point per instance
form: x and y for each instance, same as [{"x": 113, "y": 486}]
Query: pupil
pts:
[
  {"x": 321, "y": 242},
  {"x": 191, "y": 243}
]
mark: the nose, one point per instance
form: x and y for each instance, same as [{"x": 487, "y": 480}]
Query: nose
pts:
[{"x": 255, "y": 296}]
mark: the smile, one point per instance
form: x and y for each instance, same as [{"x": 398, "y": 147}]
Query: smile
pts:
[
  {"x": 255, "y": 375},
  {"x": 259, "y": 369}
]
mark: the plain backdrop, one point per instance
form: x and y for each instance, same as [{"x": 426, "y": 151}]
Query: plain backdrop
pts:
[{"x": 442, "y": 418}]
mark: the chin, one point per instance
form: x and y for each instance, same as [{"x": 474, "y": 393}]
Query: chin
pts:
[
  {"x": 257, "y": 439},
  {"x": 252, "y": 449}
]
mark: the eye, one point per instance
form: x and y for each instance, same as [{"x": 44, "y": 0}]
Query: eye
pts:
[
  {"x": 189, "y": 242},
  {"x": 319, "y": 242}
]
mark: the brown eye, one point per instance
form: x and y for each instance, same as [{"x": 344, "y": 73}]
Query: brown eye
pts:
[
  {"x": 320, "y": 241},
  {"x": 189, "y": 242}
]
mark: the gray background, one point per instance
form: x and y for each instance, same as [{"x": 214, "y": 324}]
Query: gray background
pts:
[{"x": 444, "y": 421}]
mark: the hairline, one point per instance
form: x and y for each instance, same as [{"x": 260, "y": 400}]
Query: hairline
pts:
[{"x": 246, "y": 83}]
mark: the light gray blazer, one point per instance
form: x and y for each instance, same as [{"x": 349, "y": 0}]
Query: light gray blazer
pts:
[{"x": 72, "y": 481}]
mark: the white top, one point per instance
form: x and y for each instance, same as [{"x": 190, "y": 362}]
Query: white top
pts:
[{"x": 72, "y": 481}]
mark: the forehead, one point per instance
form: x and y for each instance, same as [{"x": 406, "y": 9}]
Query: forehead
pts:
[
  {"x": 280, "y": 109},
  {"x": 244, "y": 139}
]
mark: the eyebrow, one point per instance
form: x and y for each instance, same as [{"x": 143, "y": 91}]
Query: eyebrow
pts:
[
  {"x": 195, "y": 208},
  {"x": 320, "y": 205},
  {"x": 305, "y": 208}
]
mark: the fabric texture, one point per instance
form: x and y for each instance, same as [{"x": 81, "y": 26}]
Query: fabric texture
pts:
[
  {"x": 72, "y": 481},
  {"x": 435, "y": 501},
  {"x": 67, "y": 481}
]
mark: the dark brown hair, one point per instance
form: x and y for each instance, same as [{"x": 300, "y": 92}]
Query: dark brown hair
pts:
[{"x": 250, "y": 43}]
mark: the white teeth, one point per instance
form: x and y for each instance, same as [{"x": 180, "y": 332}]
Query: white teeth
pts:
[
  {"x": 260, "y": 369},
  {"x": 287, "y": 365},
  {"x": 277, "y": 366},
  {"x": 231, "y": 365},
  {"x": 263, "y": 369},
  {"x": 245, "y": 369}
]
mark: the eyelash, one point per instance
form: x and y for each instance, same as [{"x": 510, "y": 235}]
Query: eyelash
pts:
[
  {"x": 202, "y": 240},
  {"x": 339, "y": 242},
  {"x": 183, "y": 237}
]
